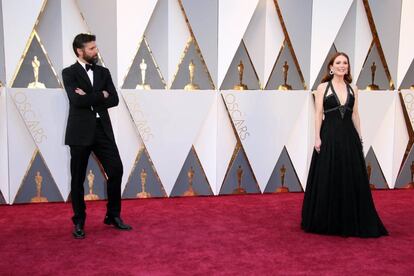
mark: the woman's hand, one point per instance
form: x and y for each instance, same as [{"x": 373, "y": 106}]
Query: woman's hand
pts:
[{"x": 318, "y": 144}]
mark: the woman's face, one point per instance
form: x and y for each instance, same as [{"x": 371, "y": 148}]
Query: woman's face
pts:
[{"x": 340, "y": 66}]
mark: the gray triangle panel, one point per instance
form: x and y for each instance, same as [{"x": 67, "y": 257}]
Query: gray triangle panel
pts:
[
  {"x": 25, "y": 75},
  {"x": 201, "y": 74},
  {"x": 191, "y": 172},
  {"x": 375, "y": 175},
  {"x": 283, "y": 173},
  {"x": 324, "y": 69},
  {"x": 152, "y": 76},
  {"x": 249, "y": 75},
  {"x": 277, "y": 76},
  {"x": 95, "y": 183},
  {"x": 38, "y": 184},
  {"x": 240, "y": 170},
  {"x": 406, "y": 176},
  {"x": 143, "y": 181}
]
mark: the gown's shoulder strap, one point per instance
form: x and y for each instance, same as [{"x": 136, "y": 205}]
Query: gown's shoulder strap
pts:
[
  {"x": 350, "y": 89},
  {"x": 327, "y": 89}
]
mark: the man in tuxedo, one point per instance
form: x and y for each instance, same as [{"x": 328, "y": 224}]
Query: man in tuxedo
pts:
[{"x": 91, "y": 92}]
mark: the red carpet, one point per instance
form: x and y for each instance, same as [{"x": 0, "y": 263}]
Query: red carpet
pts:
[{"x": 253, "y": 234}]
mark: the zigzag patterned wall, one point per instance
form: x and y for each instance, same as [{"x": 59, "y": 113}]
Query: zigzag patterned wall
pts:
[{"x": 214, "y": 140}]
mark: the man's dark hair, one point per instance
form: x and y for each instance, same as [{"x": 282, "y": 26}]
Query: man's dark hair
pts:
[{"x": 80, "y": 40}]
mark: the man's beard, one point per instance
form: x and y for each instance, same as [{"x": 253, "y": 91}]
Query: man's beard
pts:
[{"x": 91, "y": 59}]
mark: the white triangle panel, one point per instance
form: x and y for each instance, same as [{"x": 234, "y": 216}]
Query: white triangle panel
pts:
[
  {"x": 127, "y": 138},
  {"x": 21, "y": 150},
  {"x": 72, "y": 24},
  {"x": 234, "y": 17},
  {"x": 327, "y": 19},
  {"x": 226, "y": 142},
  {"x": 132, "y": 19},
  {"x": 4, "y": 159},
  {"x": 178, "y": 36},
  {"x": 47, "y": 125},
  {"x": 171, "y": 123},
  {"x": 405, "y": 53},
  {"x": 17, "y": 30},
  {"x": 203, "y": 18},
  {"x": 206, "y": 144}
]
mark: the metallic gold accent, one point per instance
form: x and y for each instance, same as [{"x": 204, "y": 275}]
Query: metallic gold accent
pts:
[
  {"x": 369, "y": 171},
  {"x": 240, "y": 85},
  {"x": 38, "y": 198},
  {"x": 91, "y": 195},
  {"x": 289, "y": 43},
  {"x": 285, "y": 86},
  {"x": 239, "y": 190},
  {"x": 36, "y": 83},
  {"x": 143, "y": 193},
  {"x": 282, "y": 188},
  {"x": 411, "y": 87},
  {"x": 143, "y": 85},
  {"x": 141, "y": 151},
  {"x": 190, "y": 176},
  {"x": 143, "y": 39},
  {"x": 35, "y": 35},
  {"x": 191, "y": 86},
  {"x": 411, "y": 184},
  {"x": 197, "y": 48},
  {"x": 372, "y": 86},
  {"x": 36, "y": 151},
  {"x": 238, "y": 147},
  {"x": 377, "y": 42}
]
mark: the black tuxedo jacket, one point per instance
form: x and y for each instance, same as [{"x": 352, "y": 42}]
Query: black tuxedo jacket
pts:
[{"x": 80, "y": 129}]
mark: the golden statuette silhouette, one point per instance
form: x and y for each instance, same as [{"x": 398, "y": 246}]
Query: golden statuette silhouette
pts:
[
  {"x": 143, "y": 193},
  {"x": 411, "y": 184},
  {"x": 143, "y": 85},
  {"x": 373, "y": 86},
  {"x": 369, "y": 172},
  {"x": 239, "y": 190},
  {"x": 191, "y": 86},
  {"x": 36, "y": 83},
  {"x": 282, "y": 188},
  {"x": 190, "y": 191},
  {"x": 38, "y": 198},
  {"x": 240, "y": 86},
  {"x": 285, "y": 86},
  {"x": 91, "y": 180}
]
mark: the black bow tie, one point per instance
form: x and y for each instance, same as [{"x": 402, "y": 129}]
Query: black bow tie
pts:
[{"x": 90, "y": 67}]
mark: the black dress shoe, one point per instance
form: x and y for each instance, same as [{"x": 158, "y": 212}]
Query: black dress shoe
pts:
[
  {"x": 78, "y": 232},
  {"x": 117, "y": 222}
]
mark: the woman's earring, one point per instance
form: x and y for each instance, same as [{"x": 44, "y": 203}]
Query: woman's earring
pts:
[{"x": 331, "y": 72}]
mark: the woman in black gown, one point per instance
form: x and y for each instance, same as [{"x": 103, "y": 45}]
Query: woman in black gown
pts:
[{"x": 338, "y": 198}]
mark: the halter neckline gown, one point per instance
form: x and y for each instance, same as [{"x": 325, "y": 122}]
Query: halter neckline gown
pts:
[{"x": 338, "y": 198}]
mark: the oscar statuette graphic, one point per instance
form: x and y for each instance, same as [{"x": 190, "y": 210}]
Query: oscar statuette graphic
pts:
[
  {"x": 143, "y": 85},
  {"x": 373, "y": 86},
  {"x": 411, "y": 184},
  {"x": 239, "y": 190},
  {"x": 38, "y": 198},
  {"x": 143, "y": 193},
  {"x": 282, "y": 188},
  {"x": 191, "y": 86},
  {"x": 91, "y": 195},
  {"x": 285, "y": 86},
  {"x": 190, "y": 191},
  {"x": 369, "y": 171},
  {"x": 36, "y": 83},
  {"x": 240, "y": 86}
]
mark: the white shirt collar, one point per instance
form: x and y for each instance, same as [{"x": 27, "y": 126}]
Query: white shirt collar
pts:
[{"x": 82, "y": 63}]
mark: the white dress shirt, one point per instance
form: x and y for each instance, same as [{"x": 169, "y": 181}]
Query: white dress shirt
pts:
[{"x": 90, "y": 75}]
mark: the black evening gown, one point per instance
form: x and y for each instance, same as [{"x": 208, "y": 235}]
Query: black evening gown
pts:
[{"x": 338, "y": 198}]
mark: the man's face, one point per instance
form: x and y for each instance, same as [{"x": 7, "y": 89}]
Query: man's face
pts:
[{"x": 89, "y": 52}]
